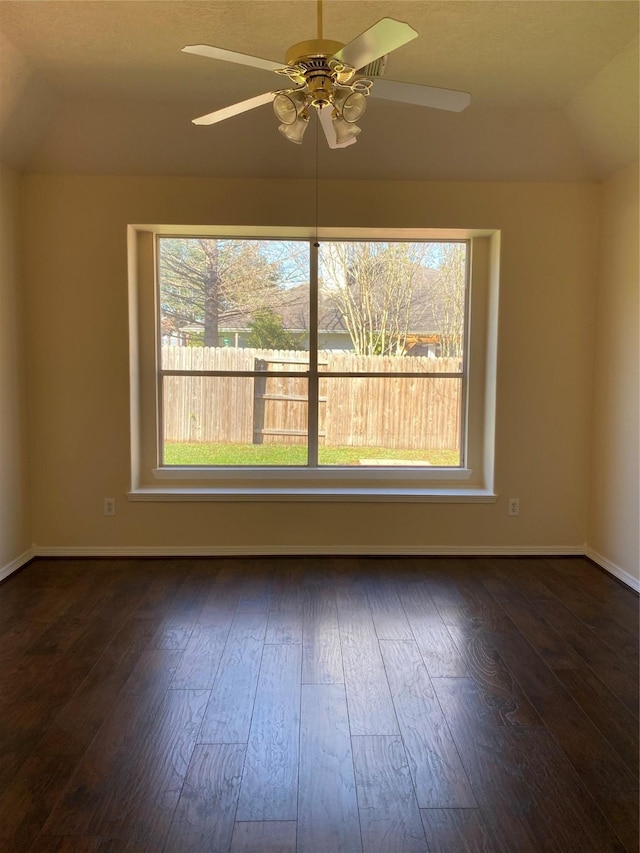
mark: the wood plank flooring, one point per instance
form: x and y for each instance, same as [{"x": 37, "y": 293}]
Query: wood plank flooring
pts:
[{"x": 318, "y": 705}]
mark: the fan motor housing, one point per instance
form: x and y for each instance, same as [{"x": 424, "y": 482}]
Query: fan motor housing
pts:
[{"x": 306, "y": 50}]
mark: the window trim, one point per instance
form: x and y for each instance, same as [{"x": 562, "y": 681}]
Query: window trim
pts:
[{"x": 469, "y": 483}]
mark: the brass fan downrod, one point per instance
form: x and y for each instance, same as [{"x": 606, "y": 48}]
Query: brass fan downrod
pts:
[{"x": 316, "y": 48}]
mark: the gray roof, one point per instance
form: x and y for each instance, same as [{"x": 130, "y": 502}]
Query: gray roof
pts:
[{"x": 292, "y": 305}]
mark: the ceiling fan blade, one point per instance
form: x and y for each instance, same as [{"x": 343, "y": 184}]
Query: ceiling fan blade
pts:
[
  {"x": 423, "y": 96},
  {"x": 324, "y": 116},
  {"x": 381, "y": 38},
  {"x": 235, "y": 109},
  {"x": 232, "y": 56}
]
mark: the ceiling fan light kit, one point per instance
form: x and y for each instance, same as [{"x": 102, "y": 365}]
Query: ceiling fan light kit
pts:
[{"x": 325, "y": 77}]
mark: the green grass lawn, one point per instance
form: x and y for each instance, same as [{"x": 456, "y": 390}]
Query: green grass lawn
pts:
[{"x": 176, "y": 453}]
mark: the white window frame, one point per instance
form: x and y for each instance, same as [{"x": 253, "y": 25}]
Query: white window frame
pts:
[{"x": 472, "y": 483}]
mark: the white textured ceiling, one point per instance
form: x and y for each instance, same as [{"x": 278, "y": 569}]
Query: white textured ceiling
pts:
[{"x": 102, "y": 87}]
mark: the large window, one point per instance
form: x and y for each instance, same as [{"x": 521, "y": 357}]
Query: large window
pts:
[
  {"x": 284, "y": 353},
  {"x": 339, "y": 364}
]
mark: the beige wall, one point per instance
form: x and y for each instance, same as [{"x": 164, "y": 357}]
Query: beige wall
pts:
[
  {"x": 15, "y": 523},
  {"x": 614, "y": 516},
  {"x": 76, "y": 274}
]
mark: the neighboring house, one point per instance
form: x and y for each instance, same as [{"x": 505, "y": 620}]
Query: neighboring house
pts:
[
  {"x": 293, "y": 309},
  {"x": 424, "y": 328}
]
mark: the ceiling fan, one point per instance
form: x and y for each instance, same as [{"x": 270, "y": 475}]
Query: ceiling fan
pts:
[{"x": 334, "y": 79}]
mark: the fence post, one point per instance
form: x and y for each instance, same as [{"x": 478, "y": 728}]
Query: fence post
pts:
[{"x": 259, "y": 403}]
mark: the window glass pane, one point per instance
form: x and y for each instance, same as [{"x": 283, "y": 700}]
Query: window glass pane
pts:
[
  {"x": 236, "y": 295},
  {"x": 235, "y": 420},
  {"x": 394, "y": 299},
  {"x": 373, "y": 421},
  {"x": 243, "y": 306}
]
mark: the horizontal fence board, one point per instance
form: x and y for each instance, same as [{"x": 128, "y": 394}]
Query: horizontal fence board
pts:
[{"x": 411, "y": 413}]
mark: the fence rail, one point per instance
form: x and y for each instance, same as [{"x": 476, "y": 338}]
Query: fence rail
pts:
[{"x": 386, "y": 411}]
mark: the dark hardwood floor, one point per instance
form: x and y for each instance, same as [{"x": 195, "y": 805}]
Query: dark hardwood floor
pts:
[{"x": 333, "y": 705}]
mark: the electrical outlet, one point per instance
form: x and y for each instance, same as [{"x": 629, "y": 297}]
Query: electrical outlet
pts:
[
  {"x": 109, "y": 506},
  {"x": 514, "y": 506}
]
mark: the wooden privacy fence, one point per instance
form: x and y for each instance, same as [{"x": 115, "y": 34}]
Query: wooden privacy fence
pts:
[{"x": 393, "y": 412}]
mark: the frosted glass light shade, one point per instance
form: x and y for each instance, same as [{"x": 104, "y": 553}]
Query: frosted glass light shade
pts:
[
  {"x": 350, "y": 105},
  {"x": 288, "y": 105},
  {"x": 294, "y": 132},
  {"x": 344, "y": 130}
]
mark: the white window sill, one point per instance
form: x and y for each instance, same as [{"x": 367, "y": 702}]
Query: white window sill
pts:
[{"x": 391, "y": 484}]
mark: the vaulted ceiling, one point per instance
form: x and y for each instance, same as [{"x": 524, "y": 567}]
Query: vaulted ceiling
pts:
[{"x": 103, "y": 88}]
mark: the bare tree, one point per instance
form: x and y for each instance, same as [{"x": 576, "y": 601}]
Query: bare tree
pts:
[
  {"x": 373, "y": 285},
  {"x": 448, "y": 295},
  {"x": 200, "y": 278}
]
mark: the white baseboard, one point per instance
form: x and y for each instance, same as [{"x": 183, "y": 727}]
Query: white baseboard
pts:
[
  {"x": 308, "y": 550},
  {"x": 614, "y": 570},
  {"x": 18, "y": 563},
  {"x": 320, "y": 550}
]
